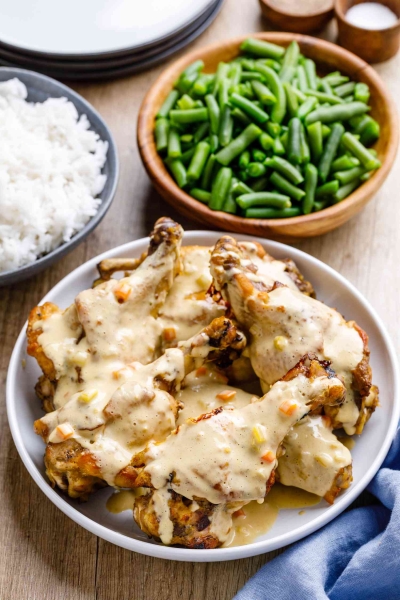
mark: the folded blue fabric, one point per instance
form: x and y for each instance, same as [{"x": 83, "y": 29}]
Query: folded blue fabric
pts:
[{"x": 356, "y": 557}]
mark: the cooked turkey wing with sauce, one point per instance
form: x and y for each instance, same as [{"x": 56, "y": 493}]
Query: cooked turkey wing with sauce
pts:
[
  {"x": 314, "y": 459},
  {"x": 283, "y": 324},
  {"x": 107, "y": 429}
]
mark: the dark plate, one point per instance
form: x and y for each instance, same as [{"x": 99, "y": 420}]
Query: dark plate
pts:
[{"x": 40, "y": 88}]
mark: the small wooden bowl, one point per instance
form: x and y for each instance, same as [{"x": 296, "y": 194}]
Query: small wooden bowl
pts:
[
  {"x": 294, "y": 22},
  {"x": 329, "y": 57},
  {"x": 373, "y": 45}
]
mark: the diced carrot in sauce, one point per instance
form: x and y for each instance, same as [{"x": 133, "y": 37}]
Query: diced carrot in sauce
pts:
[
  {"x": 327, "y": 420},
  {"x": 169, "y": 334},
  {"x": 269, "y": 457},
  {"x": 288, "y": 407},
  {"x": 65, "y": 431},
  {"x": 201, "y": 371},
  {"x": 226, "y": 395},
  {"x": 239, "y": 513},
  {"x": 122, "y": 292}
]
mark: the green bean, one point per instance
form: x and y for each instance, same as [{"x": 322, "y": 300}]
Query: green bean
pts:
[
  {"x": 266, "y": 141},
  {"x": 201, "y": 195},
  {"x": 345, "y": 191},
  {"x": 327, "y": 189},
  {"x": 199, "y": 103},
  {"x": 361, "y": 92},
  {"x": 300, "y": 96},
  {"x": 161, "y": 131},
  {"x": 202, "y": 84},
  {"x": 256, "y": 169},
  {"x": 338, "y": 112},
  {"x": 261, "y": 48},
  {"x": 322, "y": 97},
  {"x": 263, "y": 93},
  {"x": 343, "y": 163},
  {"x": 239, "y": 115},
  {"x": 186, "y": 138},
  {"x": 195, "y": 67},
  {"x": 302, "y": 78},
  {"x": 285, "y": 168},
  {"x": 320, "y": 205},
  {"x": 187, "y": 156},
  {"x": 235, "y": 73},
  {"x": 278, "y": 110},
  {"x": 365, "y": 157},
  {"x": 289, "y": 62},
  {"x": 314, "y": 132},
  {"x": 294, "y": 141},
  {"x": 178, "y": 171},
  {"x": 286, "y": 187},
  {"x": 185, "y": 82},
  {"x": 258, "y": 155},
  {"x": 306, "y": 107},
  {"x": 325, "y": 87},
  {"x": 263, "y": 199},
  {"x": 367, "y": 175},
  {"x": 278, "y": 147},
  {"x": 260, "y": 184},
  {"x": 220, "y": 188},
  {"x": 198, "y": 161},
  {"x": 251, "y": 76},
  {"x": 239, "y": 188},
  {"x": 291, "y": 99},
  {"x": 336, "y": 79},
  {"x": 310, "y": 69},
  {"x": 284, "y": 140},
  {"x": 370, "y": 133},
  {"x": 174, "y": 144},
  {"x": 168, "y": 103},
  {"x": 247, "y": 63},
  {"x": 214, "y": 142},
  {"x": 208, "y": 172},
  {"x": 236, "y": 147},
  {"x": 310, "y": 186},
  {"x": 193, "y": 115},
  {"x": 273, "y": 129},
  {"x": 185, "y": 102},
  {"x": 349, "y": 98},
  {"x": 213, "y": 113},
  {"x": 222, "y": 73},
  {"x": 349, "y": 175},
  {"x": 326, "y": 131},
  {"x": 249, "y": 108},
  {"x": 345, "y": 89},
  {"x": 225, "y": 127},
  {"x": 230, "y": 205},
  {"x": 271, "y": 63},
  {"x": 223, "y": 93},
  {"x": 201, "y": 132},
  {"x": 244, "y": 159},
  {"x": 305, "y": 150},
  {"x": 330, "y": 150},
  {"x": 271, "y": 213}
]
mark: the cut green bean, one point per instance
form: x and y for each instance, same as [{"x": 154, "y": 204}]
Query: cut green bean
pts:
[
  {"x": 251, "y": 76},
  {"x": 320, "y": 205},
  {"x": 349, "y": 175},
  {"x": 272, "y": 213},
  {"x": 261, "y": 48},
  {"x": 345, "y": 89},
  {"x": 244, "y": 159},
  {"x": 291, "y": 99},
  {"x": 322, "y": 97},
  {"x": 330, "y": 150},
  {"x": 178, "y": 171},
  {"x": 208, "y": 172},
  {"x": 300, "y": 96},
  {"x": 315, "y": 139},
  {"x": 174, "y": 144},
  {"x": 283, "y": 185},
  {"x": 305, "y": 108},
  {"x": 327, "y": 189},
  {"x": 203, "y": 84},
  {"x": 325, "y": 87},
  {"x": 222, "y": 73},
  {"x": 250, "y": 108},
  {"x": 168, "y": 104},
  {"x": 278, "y": 110},
  {"x": 304, "y": 147},
  {"x": 213, "y": 113},
  {"x": 326, "y": 131},
  {"x": 225, "y": 127},
  {"x": 193, "y": 115},
  {"x": 285, "y": 168},
  {"x": 214, "y": 142},
  {"x": 311, "y": 74},
  {"x": 230, "y": 205},
  {"x": 310, "y": 186},
  {"x": 161, "y": 132},
  {"x": 343, "y": 163},
  {"x": 239, "y": 115},
  {"x": 235, "y": 73},
  {"x": 361, "y": 92},
  {"x": 302, "y": 78},
  {"x": 201, "y": 195},
  {"x": 220, "y": 188},
  {"x": 239, "y": 188},
  {"x": 187, "y": 156},
  {"x": 278, "y": 147},
  {"x": 223, "y": 93},
  {"x": 260, "y": 184},
  {"x": 263, "y": 93},
  {"x": 365, "y": 157},
  {"x": 201, "y": 132},
  {"x": 263, "y": 199},
  {"x": 256, "y": 169},
  {"x": 271, "y": 63},
  {"x": 236, "y": 147},
  {"x": 337, "y": 112},
  {"x": 345, "y": 191},
  {"x": 289, "y": 62},
  {"x": 266, "y": 141},
  {"x": 294, "y": 141},
  {"x": 336, "y": 79},
  {"x": 198, "y": 161},
  {"x": 186, "y": 102},
  {"x": 258, "y": 155}
]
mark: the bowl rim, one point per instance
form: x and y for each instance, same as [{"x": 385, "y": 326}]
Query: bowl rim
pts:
[
  {"x": 221, "y": 554},
  {"x": 341, "y": 15},
  {"x": 284, "y": 13},
  {"x": 162, "y": 179},
  {"x": 112, "y": 156}
]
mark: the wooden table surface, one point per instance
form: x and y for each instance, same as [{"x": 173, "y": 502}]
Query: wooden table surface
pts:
[{"x": 44, "y": 555}]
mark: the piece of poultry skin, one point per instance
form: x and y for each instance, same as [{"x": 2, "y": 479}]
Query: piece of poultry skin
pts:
[
  {"x": 98, "y": 334},
  {"x": 91, "y": 439},
  {"x": 283, "y": 324},
  {"x": 230, "y": 456}
]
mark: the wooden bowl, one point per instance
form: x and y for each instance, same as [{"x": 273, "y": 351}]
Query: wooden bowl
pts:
[
  {"x": 314, "y": 21},
  {"x": 373, "y": 45},
  {"x": 329, "y": 57}
]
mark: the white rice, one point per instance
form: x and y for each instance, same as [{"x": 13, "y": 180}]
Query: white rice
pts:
[{"x": 50, "y": 174}]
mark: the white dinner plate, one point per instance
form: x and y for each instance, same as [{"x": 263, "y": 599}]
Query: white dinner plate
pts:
[
  {"x": 94, "y": 27},
  {"x": 368, "y": 454}
]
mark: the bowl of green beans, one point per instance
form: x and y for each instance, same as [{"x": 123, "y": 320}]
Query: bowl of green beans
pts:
[{"x": 278, "y": 134}]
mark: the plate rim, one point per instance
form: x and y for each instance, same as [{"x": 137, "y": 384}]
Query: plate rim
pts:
[{"x": 220, "y": 554}]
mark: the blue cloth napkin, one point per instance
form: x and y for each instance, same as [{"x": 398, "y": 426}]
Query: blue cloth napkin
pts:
[{"x": 356, "y": 557}]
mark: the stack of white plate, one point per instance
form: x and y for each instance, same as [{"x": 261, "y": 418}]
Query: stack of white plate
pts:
[{"x": 98, "y": 39}]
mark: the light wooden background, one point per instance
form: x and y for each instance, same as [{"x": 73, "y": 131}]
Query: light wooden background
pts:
[{"x": 44, "y": 555}]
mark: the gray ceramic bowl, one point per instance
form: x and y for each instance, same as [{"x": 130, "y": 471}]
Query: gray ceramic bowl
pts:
[{"x": 40, "y": 88}]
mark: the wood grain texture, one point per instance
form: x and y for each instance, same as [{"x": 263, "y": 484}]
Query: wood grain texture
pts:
[
  {"x": 329, "y": 57},
  {"x": 299, "y": 23},
  {"x": 44, "y": 555}
]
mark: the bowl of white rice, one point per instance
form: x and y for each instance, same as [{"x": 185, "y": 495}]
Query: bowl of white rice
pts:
[{"x": 58, "y": 172}]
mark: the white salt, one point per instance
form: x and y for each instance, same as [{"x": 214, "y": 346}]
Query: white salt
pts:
[{"x": 371, "y": 15}]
